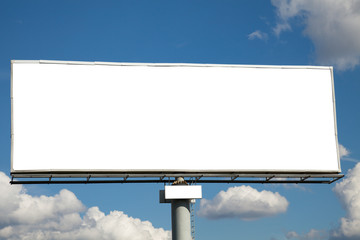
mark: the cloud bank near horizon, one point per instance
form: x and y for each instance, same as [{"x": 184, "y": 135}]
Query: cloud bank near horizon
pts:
[{"x": 57, "y": 217}]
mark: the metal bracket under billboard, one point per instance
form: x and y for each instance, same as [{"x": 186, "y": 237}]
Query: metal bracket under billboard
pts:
[{"x": 170, "y": 178}]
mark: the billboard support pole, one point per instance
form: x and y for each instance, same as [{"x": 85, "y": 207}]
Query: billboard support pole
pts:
[
  {"x": 180, "y": 219},
  {"x": 180, "y": 216}
]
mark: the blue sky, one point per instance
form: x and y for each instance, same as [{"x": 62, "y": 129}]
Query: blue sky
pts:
[{"x": 291, "y": 32}]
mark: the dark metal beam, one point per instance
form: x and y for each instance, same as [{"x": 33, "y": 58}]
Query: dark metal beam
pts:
[{"x": 269, "y": 179}]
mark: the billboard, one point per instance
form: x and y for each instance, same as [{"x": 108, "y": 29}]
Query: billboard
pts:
[{"x": 74, "y": 117}]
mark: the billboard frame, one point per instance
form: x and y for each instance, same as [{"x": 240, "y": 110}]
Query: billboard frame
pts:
[{"x": 159, "y": 175}]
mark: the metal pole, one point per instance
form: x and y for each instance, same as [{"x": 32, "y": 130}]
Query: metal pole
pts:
[
  {"x": 180, "y": 216},
  {"x": 180, "y": 219}
]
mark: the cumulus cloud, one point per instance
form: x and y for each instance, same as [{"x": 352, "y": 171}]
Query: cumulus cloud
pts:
[
  {"x": 348, "y": 192},
  {"x": 23, "y": 216},
  {"x": 244, "y": 203},
  {"x": 257, "y": 35},
  {"x": 332, "y": 25}
]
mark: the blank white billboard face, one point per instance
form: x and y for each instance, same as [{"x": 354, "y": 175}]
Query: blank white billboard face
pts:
[{"x": 165, "y": 118}]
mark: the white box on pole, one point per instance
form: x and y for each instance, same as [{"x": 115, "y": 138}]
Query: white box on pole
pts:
[{"x": 183, "y": 192}]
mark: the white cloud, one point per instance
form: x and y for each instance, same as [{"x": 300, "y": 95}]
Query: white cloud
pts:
[
  {"x": 332, "y": 25},
  {"x": 343, "y": 151},
  {"x": 313, "y": 234},
  {"x": 281, "y": 27},
  {"x": 23, "y": 216},
  {"x": 243, "y": 202},
  {"x": 9, "y": 198},
  {"x": 257, "y": 35},
  {"x": 344, "y": 154},
  {"x": 348, "y": 192},
  {"x": 291, "y": 235}
]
